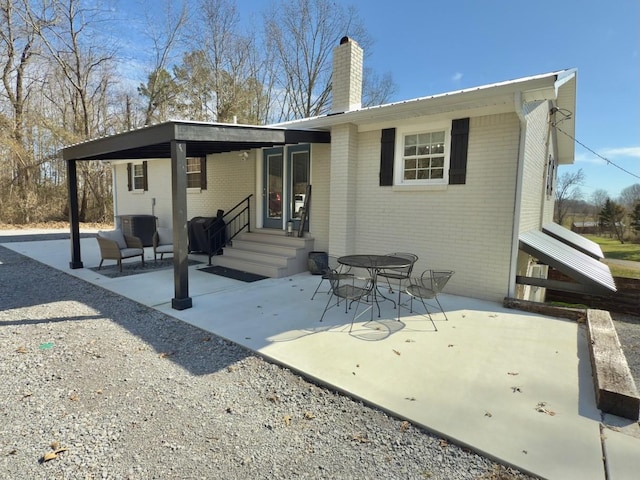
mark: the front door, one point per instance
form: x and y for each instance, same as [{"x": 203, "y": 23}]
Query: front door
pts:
[
  {"x": 285, "y": 185},
  {"x": 273, "y": 192}
]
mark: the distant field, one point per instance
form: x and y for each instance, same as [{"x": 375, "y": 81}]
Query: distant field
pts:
[{"x": 613, "y": 249}]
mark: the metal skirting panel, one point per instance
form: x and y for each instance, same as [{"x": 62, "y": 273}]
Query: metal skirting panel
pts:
[{"x": 586, "y": 270}]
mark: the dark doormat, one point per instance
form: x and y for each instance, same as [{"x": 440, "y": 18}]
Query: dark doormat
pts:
[
  {"x": 231, "y": 273},
  {"x": 132, "y": 268}
]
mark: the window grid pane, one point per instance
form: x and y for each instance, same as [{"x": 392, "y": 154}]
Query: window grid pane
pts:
[
  {"x": 193, "y": 172},
  {"x": 423, "y": 156},
  {"x": 138, "y": 177}
]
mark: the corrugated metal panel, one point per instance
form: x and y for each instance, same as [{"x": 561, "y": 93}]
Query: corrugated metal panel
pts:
[
  {"x": 584, "y": 269},
  {"x": 573, "y": 240}
]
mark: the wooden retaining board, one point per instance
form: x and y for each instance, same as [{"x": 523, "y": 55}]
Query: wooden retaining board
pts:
[{"x": 616, "y": 391}]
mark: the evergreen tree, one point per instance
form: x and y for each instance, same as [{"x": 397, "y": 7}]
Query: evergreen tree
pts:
[
  {"x": 635, "y": 218},
  {"x": 611, "y": 217}
]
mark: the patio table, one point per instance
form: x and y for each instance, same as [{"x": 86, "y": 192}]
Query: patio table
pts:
[{"x": 373, "y": 264}]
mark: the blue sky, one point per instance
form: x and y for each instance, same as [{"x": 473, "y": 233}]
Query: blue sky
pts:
[{"x": 432, "y": 47}]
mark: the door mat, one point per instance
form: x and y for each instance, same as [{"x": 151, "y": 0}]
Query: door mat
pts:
[
  {"x": 231, "y": 273},
  {"x": 111, "y": 269}
]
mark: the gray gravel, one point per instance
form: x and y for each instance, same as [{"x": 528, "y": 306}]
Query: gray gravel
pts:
[{"x": 121, "y": 391}]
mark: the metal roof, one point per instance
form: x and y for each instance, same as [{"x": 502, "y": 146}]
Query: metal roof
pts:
[
  {"x": 200, "y": 138},
  {"x": 558, "y": 86},
  {"x": 574, "y": 240},
  {"x": 592, "y": 274}
]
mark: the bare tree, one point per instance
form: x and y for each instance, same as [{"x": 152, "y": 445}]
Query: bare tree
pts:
[
  {"x": 598, "y": 198},
  {"x": 302, "y": 35},
  {"x": 630, "y": 196},
  {"x": 83, "y": 63},
  {"x": 166, "y": 38},
  {"x": 567, "y": 190}
]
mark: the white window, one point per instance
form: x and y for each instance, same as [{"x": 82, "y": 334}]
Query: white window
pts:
[
  {"x": 194, "y": 165},
  {"x": 422, "y": 156},
  {"x": 137, "y": 176}
]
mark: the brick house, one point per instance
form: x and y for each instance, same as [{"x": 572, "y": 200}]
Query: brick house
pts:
[{"x": 463, "y": 179}]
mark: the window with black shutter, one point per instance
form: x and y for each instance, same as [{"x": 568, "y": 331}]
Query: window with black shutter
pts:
[{"x": 421, "y": 155}]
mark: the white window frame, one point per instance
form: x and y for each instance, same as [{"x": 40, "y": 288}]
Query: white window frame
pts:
[
  {"x": 194, "y": 160},
  {"x": 134, "y": 166},
  {"x": 399, "y": 160}
]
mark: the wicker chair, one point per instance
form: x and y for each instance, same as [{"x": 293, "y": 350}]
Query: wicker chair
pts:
[
  {"x": 114, "y": 245},
  {"x": 162, "y": 242}
]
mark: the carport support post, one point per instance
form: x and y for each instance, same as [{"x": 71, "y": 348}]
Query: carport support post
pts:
[
  {"x": 182, "y": 301},
  {"x": 74, "y": 218}
]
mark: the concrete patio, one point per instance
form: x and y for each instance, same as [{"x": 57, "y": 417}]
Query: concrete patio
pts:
[{"x": 511, "y": 385}]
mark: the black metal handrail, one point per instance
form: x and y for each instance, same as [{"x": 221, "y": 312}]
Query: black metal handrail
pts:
[{"x": 234, "y": 222}]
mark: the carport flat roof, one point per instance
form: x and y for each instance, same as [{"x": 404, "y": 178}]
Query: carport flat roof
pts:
[{"x": 201, "y": 139}]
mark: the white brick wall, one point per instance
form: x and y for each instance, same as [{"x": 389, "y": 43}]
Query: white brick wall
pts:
[
  {"x": 466, "y": 228},
  {"x": 229, "y": 180},
  {"x": 320, "y": 196}
]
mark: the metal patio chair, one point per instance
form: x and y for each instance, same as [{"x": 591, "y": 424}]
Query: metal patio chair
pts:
[
  {"x": 427, "y": 287},
  {"x": 398, "y": 275},
  {"x": 350, "y": 289},
  {"x": 333, "y": 264}
]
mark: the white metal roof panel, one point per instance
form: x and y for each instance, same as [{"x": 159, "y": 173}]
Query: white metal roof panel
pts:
[
  {"x": 574, "y": 240},
  {"x": 586, "y": 270}
]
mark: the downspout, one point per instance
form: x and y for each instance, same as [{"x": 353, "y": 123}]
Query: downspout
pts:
[{"x": 517, "y": 207}]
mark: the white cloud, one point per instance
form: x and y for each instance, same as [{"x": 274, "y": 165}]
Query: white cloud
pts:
[
  {"x": 621, "y": 152},
  {"x": 611, "y": 154},
  {"x": 456, "y": 77}
]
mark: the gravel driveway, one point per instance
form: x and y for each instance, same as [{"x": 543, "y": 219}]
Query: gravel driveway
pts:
[{"x": 111, "y": 389}]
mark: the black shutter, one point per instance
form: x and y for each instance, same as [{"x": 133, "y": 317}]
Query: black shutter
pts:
[
  {"x": 203, "y": 173},
  {"x": 129, "y": 177},
  {"x": 145, "y": 181},
  {"x": 459, "y": 147},
  {"x": 387, "y": 150}
]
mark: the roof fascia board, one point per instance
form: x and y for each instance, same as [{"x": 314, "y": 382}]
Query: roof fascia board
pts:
[{"x": 152, "y": 135}]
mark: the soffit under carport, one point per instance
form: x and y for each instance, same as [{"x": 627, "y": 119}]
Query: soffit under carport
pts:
[
  {"x": 201, "y": 139},
  {"x": 593, "y": 276}
]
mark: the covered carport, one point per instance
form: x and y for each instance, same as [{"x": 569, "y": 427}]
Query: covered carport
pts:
[{"x": 176, "y": 140}]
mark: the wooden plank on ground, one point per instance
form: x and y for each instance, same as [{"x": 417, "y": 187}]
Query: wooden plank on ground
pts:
[{"x": 616, "y": 391}]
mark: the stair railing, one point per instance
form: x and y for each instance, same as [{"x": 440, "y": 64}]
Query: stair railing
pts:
[{"x": 236, "y": 220}]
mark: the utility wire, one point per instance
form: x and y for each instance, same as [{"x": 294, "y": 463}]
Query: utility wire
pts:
[{"x": 609, "y": 162}]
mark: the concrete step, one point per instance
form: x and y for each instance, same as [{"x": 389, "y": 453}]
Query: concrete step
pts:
[
  {"x": 266, "y": 252},
  {"x": 272, "y": 271}
]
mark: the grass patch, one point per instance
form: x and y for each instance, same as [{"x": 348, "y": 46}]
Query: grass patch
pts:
[{"x": 612, "y": 248}]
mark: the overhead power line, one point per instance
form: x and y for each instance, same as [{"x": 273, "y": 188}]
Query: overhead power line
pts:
[{"x": 609, "y": 162}]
